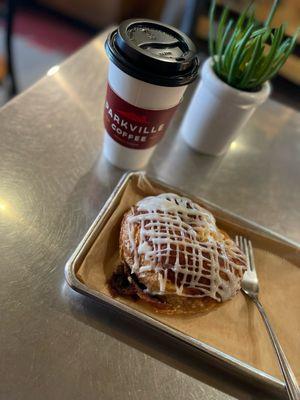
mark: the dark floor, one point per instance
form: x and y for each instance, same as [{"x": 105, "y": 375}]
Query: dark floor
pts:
[{"x": 41, "y": 40}]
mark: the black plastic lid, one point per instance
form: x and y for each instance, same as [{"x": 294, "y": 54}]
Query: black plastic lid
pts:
[{"x": 153, "y": 52}]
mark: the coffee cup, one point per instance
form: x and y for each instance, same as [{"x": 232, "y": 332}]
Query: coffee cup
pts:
[{"x": 150, "y": 66}]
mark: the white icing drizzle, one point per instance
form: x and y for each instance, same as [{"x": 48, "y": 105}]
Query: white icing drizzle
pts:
[{"x": 171, "y": 228}]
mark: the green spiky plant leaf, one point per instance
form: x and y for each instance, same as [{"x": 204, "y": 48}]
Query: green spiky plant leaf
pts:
[{"x": 246, "y": 55}]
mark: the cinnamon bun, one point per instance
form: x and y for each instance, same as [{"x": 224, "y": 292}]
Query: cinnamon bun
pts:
[{"x": 175, "y": 257}]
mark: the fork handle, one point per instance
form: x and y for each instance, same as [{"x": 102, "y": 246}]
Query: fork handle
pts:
[{"x": 289, "y": 377}]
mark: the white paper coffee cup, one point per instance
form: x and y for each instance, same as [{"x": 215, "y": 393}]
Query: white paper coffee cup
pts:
[{"x": 144, "y": 88}]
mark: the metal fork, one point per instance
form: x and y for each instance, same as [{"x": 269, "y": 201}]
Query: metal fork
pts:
[{"x": 250, "y": 287}]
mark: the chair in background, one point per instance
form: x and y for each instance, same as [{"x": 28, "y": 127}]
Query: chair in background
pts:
[{"x": 7, "y": 71}]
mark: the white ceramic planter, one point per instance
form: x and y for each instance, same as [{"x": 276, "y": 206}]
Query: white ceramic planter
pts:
[{"x": 217, "y": 112}]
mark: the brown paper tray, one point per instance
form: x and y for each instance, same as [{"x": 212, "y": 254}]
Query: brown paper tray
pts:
[{"x": 233, "y": 335}]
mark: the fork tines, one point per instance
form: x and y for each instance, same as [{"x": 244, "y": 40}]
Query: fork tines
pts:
[{"x": 246, "y": 246}]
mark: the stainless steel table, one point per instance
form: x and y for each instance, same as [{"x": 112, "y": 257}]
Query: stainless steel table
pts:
[{"x": 55, "y": 344}]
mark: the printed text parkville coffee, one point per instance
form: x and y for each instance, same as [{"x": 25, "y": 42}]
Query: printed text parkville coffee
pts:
[{"x": 131, "y": 130}]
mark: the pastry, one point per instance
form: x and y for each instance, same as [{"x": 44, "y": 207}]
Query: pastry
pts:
[{"x": 175, "y": 258}]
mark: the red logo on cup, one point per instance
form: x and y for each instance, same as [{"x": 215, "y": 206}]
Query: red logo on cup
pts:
[{"x": 134, "y": 127}]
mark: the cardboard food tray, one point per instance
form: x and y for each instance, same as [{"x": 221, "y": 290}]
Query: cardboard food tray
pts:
[{"x": 233, "y": 334}]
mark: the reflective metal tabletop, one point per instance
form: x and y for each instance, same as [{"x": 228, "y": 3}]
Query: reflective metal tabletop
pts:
[{"x": 55, "y": 344}]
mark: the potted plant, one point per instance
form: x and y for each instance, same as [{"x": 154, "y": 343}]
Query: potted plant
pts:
[{"x": 235, "y": 79}]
